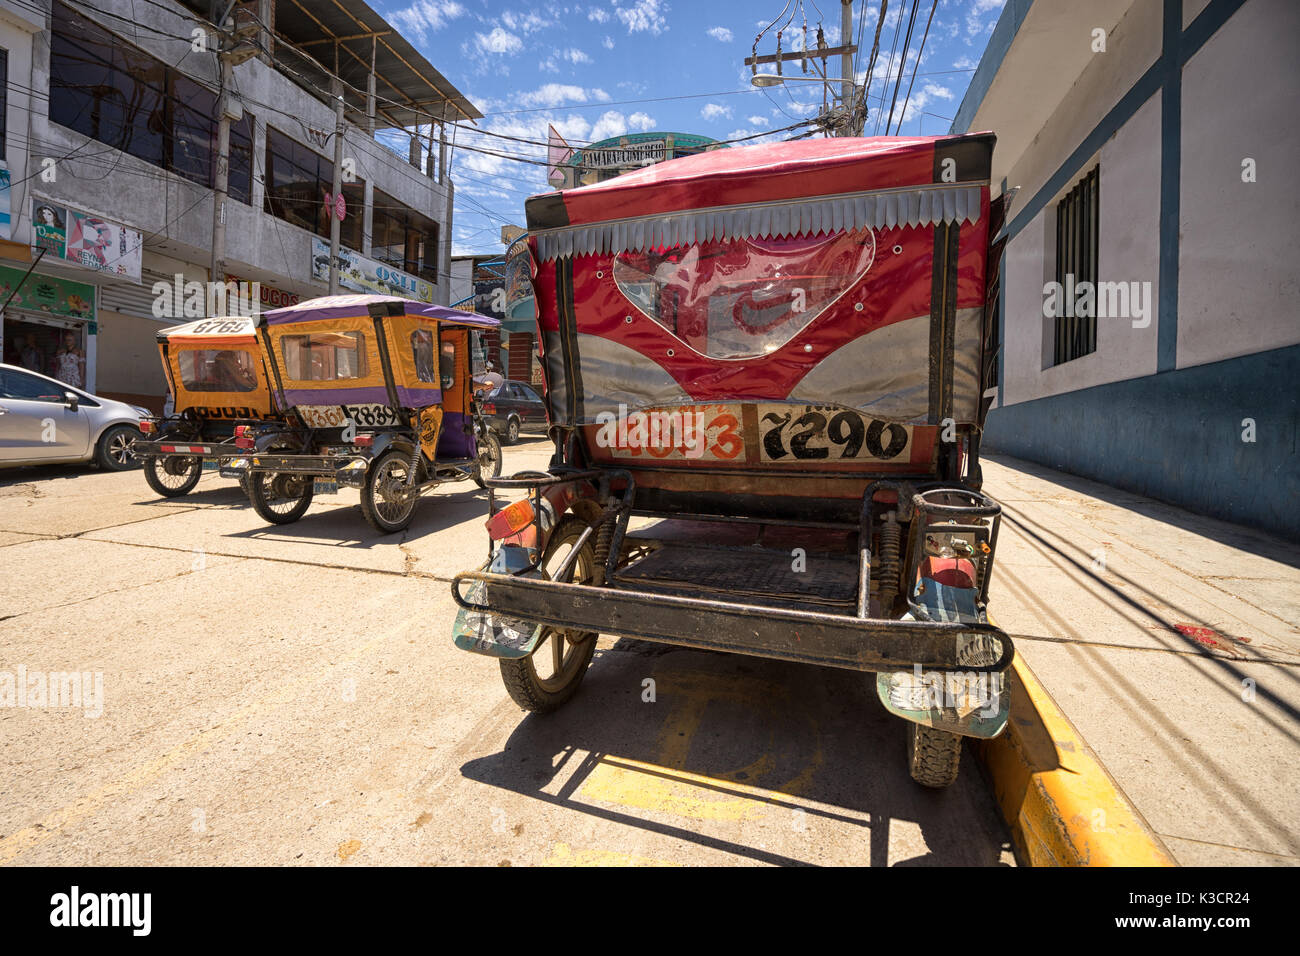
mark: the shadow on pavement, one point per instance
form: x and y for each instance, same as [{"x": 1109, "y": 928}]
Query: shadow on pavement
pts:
[
  {"x": 732, "y": 738},
  {"x": 344, "y": 525},
  {"x": 1236, "y": 536}
]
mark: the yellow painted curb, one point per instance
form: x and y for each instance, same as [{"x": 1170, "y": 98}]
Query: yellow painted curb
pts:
[{"x": 1062, "y": 806}]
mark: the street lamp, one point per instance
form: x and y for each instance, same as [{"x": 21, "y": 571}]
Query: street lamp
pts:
[
  {"x": 773, "y": 79},
  {"x": 846, "y": 126}
]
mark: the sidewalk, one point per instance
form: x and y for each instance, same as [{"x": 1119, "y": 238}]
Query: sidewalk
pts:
[{"x": 1172, "y": 643}]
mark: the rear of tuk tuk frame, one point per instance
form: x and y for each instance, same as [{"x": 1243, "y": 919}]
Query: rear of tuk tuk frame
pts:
[
  {"x": 379, "y": 398},
  {"x": 217, "y": 375},
  {"x": 778, "y": 356}
]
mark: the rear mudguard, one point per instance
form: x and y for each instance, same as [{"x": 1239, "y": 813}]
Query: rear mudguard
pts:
[
  {"x": 491, "y": 634},
  {"x": 971, "y": 703}
]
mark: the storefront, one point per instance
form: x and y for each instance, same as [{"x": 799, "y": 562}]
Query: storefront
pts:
[{"x": 49, "y": 325}]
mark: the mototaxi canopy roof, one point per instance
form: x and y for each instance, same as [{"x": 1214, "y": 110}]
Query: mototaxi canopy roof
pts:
[
  {"x": 220, "y": 331},
  {"x": 353, "y": 306},
  {"x": 777, "y": 189}
]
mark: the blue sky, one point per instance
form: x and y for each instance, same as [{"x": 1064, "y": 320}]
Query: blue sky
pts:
[{"x": 609, "y": 67}]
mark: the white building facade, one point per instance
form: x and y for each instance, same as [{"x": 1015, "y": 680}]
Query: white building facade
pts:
[
  {"x": 1151, "y": 141},
  {"x": 110, "y": 142}
]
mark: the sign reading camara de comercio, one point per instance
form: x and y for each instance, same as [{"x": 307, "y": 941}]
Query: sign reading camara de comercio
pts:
[
  {"x": 360, "y": 274},
  {"x": 633, "y": 154}
]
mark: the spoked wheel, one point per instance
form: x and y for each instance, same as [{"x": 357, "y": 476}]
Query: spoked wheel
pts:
[
  {"x": 280, "y": 498},
  {"x": 551, "y": 675},
  {"x": 387, "y": 504},
  {"x": 489, "y": 458},
  {"x": 173, "y": 475}
]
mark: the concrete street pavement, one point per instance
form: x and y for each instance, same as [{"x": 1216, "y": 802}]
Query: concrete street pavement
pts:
[
  {"x": 1172, "y": 643},
  {"x": 291, "y": 695}
]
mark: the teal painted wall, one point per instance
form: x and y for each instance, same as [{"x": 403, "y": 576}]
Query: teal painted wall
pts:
[{"x": 1177, "y": 436}]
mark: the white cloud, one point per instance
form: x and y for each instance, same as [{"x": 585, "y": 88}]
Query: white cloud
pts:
[
  {"x": 937, "y": 91},
  {"x": 721, "y": 34},
  {"x": 425, "y": 16},
  {"x": 611, "y": 123},
  {"x": 498, "y": 41},
  {"x": 643, "y": 15},
  {"x": 964, "y": 63},
  {"x": 528, "y": 23},
  {"x": 713, "y": 111},
  {"x": 641, "y": 121},
  {"x": 607, "y": 43},
  {"x": 599, "y": 14},
  {"x": 552, "y": 95},
  {"x": 756, "y": 120},
  {"x": 751, "y": 137},
  {"x": 975, "y": 24},
  {"x": 575, "y": 56}
]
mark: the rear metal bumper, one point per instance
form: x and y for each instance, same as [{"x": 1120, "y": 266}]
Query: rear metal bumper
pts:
[
  {"x": 336, "y": 467},
  {"x": 164, "y": 448},
  {"x": 810, "y": 637}
]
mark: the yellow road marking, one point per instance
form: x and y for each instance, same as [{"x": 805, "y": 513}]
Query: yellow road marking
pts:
[{"x": 662, "y": 785}]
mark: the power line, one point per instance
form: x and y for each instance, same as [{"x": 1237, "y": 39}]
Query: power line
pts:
[
  {"x": 907, "y": 42},
  {"x": 919, "y": 54},
  {"x": 892, "y": 48}
]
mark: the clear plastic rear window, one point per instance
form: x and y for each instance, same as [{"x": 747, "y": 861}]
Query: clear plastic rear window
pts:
[
  {"x": 324, "y": 356},
  {"x": 217, "y": 370},
  {"x": 743, "y": 298}
]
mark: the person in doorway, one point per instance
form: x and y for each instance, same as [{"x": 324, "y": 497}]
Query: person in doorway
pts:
[
  {"x": 70, "y": 362},
  {"x": 30, "y": 356}
]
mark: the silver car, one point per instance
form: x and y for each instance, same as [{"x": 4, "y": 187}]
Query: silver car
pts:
[{"x": 44, "y": 421}]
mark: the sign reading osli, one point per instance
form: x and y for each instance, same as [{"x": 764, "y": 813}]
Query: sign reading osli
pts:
[{"x": 360, "y": 274}]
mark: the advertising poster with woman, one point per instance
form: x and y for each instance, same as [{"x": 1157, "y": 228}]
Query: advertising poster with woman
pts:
[
  {"x": 87, "y": 240},
  {"x": 49, "y": 226}
]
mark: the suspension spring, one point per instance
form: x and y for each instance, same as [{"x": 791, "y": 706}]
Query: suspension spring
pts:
[
  {"x": 890, "y": 535},
  {"x": 604, "y": 539}
]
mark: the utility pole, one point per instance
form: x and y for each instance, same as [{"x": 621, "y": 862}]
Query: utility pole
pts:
[
  {"x": 848, "y": 91},
  {"x": 337, "y": 186},
  {"x": 846, "y": 49},
  {"x": 234, "y": 47},
  {"x": 217, "y": 272},
  {"x": 221, "y": 179}
]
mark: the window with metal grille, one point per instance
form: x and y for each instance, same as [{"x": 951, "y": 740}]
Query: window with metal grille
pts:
[{"x": 1076, "y": 262}]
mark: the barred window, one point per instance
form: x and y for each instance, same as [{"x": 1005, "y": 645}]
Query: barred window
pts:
[{"x": 1076, "y": 262}]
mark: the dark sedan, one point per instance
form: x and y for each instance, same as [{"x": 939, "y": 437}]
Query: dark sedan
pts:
[{"x": 514, "y": 407}]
